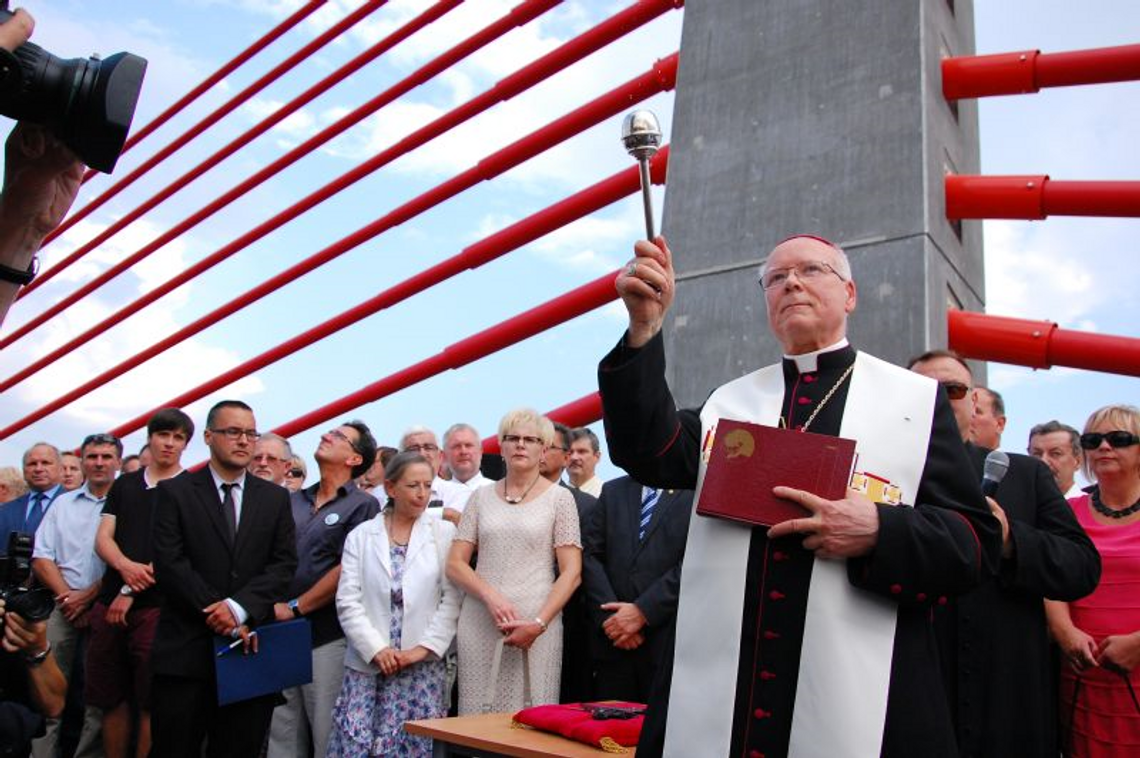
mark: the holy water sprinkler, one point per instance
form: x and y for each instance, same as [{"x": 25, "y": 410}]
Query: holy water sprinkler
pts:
[{"x": 641, "y": 135}]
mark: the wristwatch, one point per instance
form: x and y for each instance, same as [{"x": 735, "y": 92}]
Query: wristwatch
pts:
[
  {"x": 293, "y": 606},
  {"x": 126, "y": 590},
  {"x": 37, "y": 659},
  {"x": 16, "y": 276}
]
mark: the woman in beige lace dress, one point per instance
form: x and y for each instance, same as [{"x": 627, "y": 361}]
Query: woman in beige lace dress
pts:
[{"x": 522, "y": 527}]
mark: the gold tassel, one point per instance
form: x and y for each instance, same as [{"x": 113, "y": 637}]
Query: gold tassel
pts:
[{"x": 608, "y": 744}]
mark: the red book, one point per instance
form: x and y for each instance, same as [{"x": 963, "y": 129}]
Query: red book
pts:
[{"x": 745, "y": 461}]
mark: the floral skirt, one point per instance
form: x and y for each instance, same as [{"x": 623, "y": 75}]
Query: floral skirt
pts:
[{"x": 370, "y": 712}]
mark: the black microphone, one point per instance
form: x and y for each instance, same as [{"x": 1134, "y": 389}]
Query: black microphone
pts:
[{"x": 994, "y": 470}]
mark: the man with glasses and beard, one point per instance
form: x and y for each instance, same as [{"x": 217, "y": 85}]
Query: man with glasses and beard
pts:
[{"x": 324, "y": 514}]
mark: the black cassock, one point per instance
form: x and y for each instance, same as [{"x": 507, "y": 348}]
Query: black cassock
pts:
[
  {"x": 997, "y": 659},
  {"x": 943, "y": 546}
]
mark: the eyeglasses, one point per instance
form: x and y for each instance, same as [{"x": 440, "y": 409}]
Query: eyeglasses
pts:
[
  {"x": 267, "y": 458},
  {"x": 233, "y": 433},
  {"x": 955, "y": 390},
  {"x": 295, "y": 473},
  {"x": 1118, "y": 438},
  {"x": 552, "y": 446},
  {"x": 342, "y": 436},
  {"x": 514, "y": 439},
  {"x": 427, "y": 447},
  {"x": 100, "y": 439},
  {"x": 805, "y": 271}
]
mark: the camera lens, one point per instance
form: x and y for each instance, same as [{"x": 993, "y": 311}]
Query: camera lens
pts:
[{"x": 87, "y": 102}]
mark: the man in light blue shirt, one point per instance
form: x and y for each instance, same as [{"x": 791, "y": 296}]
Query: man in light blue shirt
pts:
[{"x": 65, "y": 562}]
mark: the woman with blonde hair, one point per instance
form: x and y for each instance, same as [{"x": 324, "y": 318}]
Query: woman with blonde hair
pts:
[
  {"x": 1099, "y": 635},
  {"x": 523, "y": 527}
]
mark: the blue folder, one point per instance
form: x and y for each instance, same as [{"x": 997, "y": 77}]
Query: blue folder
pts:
[{"x": 284, "y": 659}]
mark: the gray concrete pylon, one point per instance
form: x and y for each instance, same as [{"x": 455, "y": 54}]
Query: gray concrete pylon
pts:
[{"x": 823, "y": 117}]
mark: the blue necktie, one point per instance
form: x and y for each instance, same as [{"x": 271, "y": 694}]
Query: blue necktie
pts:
[
  {"x": 647, "y": 504},
  {"x": 36, "y": 514}
]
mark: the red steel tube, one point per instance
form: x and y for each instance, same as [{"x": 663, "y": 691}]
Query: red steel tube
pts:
[
  {"x": 405, "y": 85},
  {"x": 1040, "y": 344},
  {"x": 500, "y": 243},
  {"x": 228, "y": 68},
  {"x": 230, "y": 105},
  {"x": 243, "y": 187},
  {"x": 558, "y": 59},
  {"x": 375, "y": 51},
  {"x": 585, "y": 410},
  {"x": 504, "y": 334},
  {"x": 1029, "y": 70},
  {"x": 660, "y": 78},
  {"x": 1036, "y": 197}
]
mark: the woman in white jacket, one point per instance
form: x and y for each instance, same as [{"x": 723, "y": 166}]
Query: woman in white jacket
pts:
[{"x": 399, "y": 612}]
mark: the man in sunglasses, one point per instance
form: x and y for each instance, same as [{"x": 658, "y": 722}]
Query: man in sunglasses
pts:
[
  {"x": 811, "y": 637},
  {"x": 995, "y": 653},
  {"x": 324, "y": 513}
]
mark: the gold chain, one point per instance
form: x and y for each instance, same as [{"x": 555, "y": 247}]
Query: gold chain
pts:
[{"x": 827, "y": 397}]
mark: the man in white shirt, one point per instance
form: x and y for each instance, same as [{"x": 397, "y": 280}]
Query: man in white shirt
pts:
[
  {"x": 1059, "y": 447},
  {"x": 463, "y": 453},
  {"x": 64, "y": 561},
  {"x": 585, "y": 452},
  {"x": 444, "y": 494}
]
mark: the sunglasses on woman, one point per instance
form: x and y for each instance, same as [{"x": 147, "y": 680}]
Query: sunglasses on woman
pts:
[{"x": 1118, "y": 438}]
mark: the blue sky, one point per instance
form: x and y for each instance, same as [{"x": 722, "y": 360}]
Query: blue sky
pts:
[{"x": 1081, "y": 273}]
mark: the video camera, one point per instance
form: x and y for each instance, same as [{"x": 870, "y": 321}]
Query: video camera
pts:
[
  {"x": 15, "y": 569},
  {"x": 88, "y": 103}
]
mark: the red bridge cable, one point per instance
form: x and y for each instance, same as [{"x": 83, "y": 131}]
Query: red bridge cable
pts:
[
  {"x": 263, "y": 42},
  {"x": 1040, "y": 344},
  {"x": 658, "y": 79},
  {"x": 504, "y": 334},
  {"x": 279, "y": 115},
  {"x": 500, "y": 243},
  {"x": 230, "y": 105},
  {"x": 1029, "y": 70},
  {"x": 581, "y": 412},
  {"x": 1036, "y": 197},
  {"x": 558, "y": 59}
]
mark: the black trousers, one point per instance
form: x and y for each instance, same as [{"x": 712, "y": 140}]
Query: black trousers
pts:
[{"x": 185, "y": 711}]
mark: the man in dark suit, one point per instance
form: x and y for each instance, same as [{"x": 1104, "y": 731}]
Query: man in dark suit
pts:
[
  {"x": 631, "y": 569},
  {"x": 577, "y": 682},
  {"x": 43, "y": 471},
  {"x": 997, "y": 664},
  {"x": 224, "y": 552}
]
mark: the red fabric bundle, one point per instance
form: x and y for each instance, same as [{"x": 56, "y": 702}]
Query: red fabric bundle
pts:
[{"x": 576, "y": 721}]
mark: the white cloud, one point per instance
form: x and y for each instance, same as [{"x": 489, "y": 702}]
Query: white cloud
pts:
[{"x": 1027, "y": 274}]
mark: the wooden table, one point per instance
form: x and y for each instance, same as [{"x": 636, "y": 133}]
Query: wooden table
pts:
[{"x": 492, "y": 736}]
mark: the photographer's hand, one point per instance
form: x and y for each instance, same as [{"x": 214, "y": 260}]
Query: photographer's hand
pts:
[
  {"x": 41, "y": 180},
  {"x": 47, "y": 686},
  {"x": 16, "y": 30}
]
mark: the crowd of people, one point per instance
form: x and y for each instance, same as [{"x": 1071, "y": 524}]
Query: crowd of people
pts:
[
  {"x": 429, "y": 587},
  {"x": 432, "y": 588}
]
